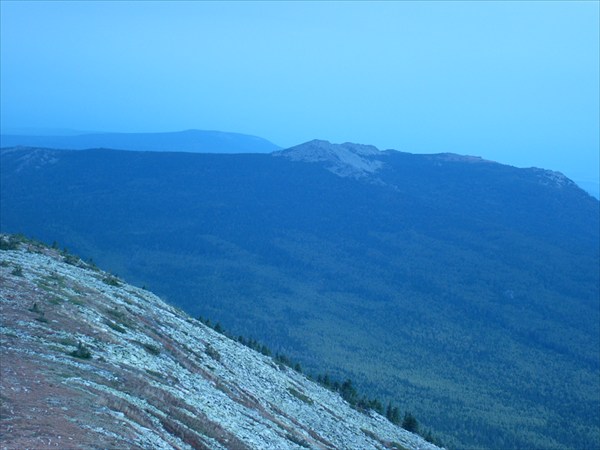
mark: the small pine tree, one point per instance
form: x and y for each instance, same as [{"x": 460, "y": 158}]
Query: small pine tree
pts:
[
  {"x": 348, "y": 392},
  {"x": 409, "y": 423},
  {"x": 395, "y": 419},
  {"x": 265, "y": 350},
  {"x": 376, "y": 405},
  {"x": 428, "y": 436}
]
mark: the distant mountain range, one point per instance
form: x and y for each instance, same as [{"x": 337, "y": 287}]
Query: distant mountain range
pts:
[
  {"x": 197, "y": 141},
  {"x": 461, "y": 289},
  {"x": 91, "y": 362}
]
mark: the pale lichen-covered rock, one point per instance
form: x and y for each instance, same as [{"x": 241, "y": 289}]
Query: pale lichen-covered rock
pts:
[
  {"x": 345, "y": 160},
  {"x": 88, "y": 361}
]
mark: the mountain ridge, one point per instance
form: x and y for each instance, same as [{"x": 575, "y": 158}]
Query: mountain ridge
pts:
[
  {"x": 108, "y": 364},
  {"x": 205, "y": 141},
  {"x": 198, "y": 141},
  {"x": 360, "y": 160}
]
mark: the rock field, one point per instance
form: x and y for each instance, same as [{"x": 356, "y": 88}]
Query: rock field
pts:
[{"x": 88, "y": 361}]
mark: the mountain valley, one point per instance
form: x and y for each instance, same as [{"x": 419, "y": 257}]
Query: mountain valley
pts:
[{"x": 461, "y": 289}]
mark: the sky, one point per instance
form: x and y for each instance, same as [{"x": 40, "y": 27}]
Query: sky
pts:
[{"x": 511, "y": 81}]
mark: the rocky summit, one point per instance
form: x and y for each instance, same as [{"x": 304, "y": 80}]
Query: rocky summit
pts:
[
  {"x": 88, "y": 361},
  {"x": 344, "y": 160}
]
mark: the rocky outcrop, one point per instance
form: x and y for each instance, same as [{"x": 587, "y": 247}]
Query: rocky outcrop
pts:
[
  {"x": 91, "y": 362},
  {"x": 345, "y": 160}
]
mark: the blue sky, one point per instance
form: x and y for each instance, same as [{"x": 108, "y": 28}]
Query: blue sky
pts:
[{"x": 515, "y": 82}]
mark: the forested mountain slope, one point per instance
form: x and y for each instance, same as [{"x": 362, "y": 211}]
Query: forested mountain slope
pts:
[{"x": 462, "y": 289}]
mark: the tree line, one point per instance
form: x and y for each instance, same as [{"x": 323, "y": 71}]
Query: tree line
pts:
[{"x": 346, "y": 389}]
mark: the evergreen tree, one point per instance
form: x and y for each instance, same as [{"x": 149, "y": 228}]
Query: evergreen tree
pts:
[
  {"x": 410, "y": 423},
  {"x": 348, "y": 392},
  {"x": 395, "y": 415}
]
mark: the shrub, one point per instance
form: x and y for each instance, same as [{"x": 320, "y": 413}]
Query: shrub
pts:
[
  {"x": 299, "y": 395},
  {"x": 212, "y": 352},
  {"x": 9, "y": 243},
  {"x": 119, "y": 317},
  {"x": 155, "y": 374},
  {"x": 111, "y": 280},
  {"x": 297, "y": 440},
  {"x": 115, "y": 326},
  {"x": 370, "y": 434},
  {"x": 82, "y": 352},
  {"x": 152, "y": 349},
  {"x": 41, "y": 317},
  {"x": 72, "y": 260}
]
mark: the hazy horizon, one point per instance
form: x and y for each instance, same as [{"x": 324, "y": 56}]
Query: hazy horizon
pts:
[{"x": 513, "y": 82}]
